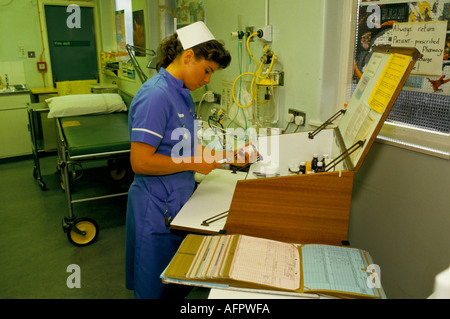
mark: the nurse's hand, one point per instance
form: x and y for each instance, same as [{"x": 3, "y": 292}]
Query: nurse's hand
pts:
[
  {"x": 145, "y": 160},
  {"x": 205, "y": 167}
]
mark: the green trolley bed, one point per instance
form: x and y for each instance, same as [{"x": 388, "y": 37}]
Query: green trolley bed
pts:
[{"x": 86, "y": 138}]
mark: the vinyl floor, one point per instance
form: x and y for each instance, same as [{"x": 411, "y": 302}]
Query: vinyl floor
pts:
[{"x": 35, "y": 252}]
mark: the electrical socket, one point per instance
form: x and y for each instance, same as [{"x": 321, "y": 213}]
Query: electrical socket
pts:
[
  {"x": 226, "y": 100},
  {"x": 212, "y": 97},
  {"x": 209, "y": 97},
  {"x": 298, "y": 113},
  {"x": 22, "y": 53}
]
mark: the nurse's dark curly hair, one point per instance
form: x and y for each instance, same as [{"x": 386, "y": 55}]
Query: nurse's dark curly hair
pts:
[{"x": 212, "y": 50}]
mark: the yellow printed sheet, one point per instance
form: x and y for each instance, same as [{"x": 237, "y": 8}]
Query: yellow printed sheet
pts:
[{"x": 388, "y": 82}]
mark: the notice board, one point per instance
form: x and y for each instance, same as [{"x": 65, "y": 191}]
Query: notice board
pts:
[{"x": 424, "y": 101}]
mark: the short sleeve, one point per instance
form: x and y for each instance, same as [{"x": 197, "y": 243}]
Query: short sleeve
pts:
[{"x": 148, "y": 117}]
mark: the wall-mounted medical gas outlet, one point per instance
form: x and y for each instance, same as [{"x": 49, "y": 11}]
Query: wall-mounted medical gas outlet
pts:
[
  {"x": 299, "y": 117},
  {"x": 265, "y": 33},
  {"x": 250, "y": 30}
]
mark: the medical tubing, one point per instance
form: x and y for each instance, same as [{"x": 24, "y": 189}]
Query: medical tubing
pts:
[
  {"x": 256, "y": 76},
  {"x": 243, "y": 74},
  {"x": 240, "y": 54},
  {"x": 241, "y": 65},
  {"x": 234, "y": 85},
  {"x": 200, "y": 105},
  {"x": 253, "y": 85},
  {"x": 248, "y": 47}
]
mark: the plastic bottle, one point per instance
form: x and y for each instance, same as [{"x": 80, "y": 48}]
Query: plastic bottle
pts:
[{"x": 325, "y": 160}]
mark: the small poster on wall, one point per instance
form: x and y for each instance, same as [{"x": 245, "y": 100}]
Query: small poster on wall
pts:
[
  {"x": 120, "y": 31},
  {"x": 139, "y": 31}
]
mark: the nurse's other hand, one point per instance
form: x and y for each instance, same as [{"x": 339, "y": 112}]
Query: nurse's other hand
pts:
[{"x": 245, "y": 155}]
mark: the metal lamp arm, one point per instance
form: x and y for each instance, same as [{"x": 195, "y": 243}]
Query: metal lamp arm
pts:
[{"x": 137, "y": 67}]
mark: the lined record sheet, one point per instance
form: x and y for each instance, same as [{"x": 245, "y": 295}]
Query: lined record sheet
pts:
[
  {"x": 335, "y": 268},
  {"x": 266, "y": 262},
  {"x": 251, "y": 262},
  {"x": 210, "y": 258}
]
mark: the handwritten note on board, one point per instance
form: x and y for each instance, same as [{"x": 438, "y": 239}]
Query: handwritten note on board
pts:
[{"x": 428, "y": 38}]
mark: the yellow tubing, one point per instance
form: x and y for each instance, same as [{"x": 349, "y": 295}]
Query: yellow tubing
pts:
[
  {"x": 234, "y": 85},
  {"x": 248, "y": 47},
  {"x": 256, "y": 75}
]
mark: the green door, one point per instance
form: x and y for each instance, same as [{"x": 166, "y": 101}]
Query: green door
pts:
[{"x": 73, "y": 51}]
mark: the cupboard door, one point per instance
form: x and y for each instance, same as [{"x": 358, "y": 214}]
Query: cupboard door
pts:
[{"x": 15, "y": 138}]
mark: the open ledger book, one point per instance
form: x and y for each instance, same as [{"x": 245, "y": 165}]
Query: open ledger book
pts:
[{"x": 257, "y": 263}]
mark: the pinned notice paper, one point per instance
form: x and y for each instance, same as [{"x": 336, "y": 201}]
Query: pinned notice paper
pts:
[
  {"x": 429, "y": 38},
  {"x": 388, "y": 82}
]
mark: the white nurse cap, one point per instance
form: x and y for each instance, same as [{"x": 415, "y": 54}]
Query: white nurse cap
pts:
[{"x": 194, "y": 34}]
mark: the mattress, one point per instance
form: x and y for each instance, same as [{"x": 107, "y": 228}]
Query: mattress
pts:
[{"x": 93, "y": 134}]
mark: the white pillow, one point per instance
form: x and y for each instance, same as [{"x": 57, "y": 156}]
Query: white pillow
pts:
[{"x": 81, "y": 104}]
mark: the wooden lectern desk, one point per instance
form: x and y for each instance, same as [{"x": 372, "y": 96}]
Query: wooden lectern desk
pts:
[{"x": 315, "y": 208}]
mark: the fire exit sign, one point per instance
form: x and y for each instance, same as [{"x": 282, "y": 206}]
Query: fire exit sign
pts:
[{"x": 71, "y": 43}]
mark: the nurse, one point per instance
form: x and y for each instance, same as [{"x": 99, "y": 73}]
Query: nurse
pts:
[{"x": 161, "y": 119}]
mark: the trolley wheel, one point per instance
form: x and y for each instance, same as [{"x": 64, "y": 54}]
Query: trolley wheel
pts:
[
  {"x": 42, "y": 185},
  {"x": 40, "y": 181},
  {"x": 118, "y": 168},
  {"x": 83, "y": 232},
  {"x": 118, "y": 174}
]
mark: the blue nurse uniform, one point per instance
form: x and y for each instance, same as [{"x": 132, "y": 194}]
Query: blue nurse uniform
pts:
[{"x": 160, "y": 115}]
